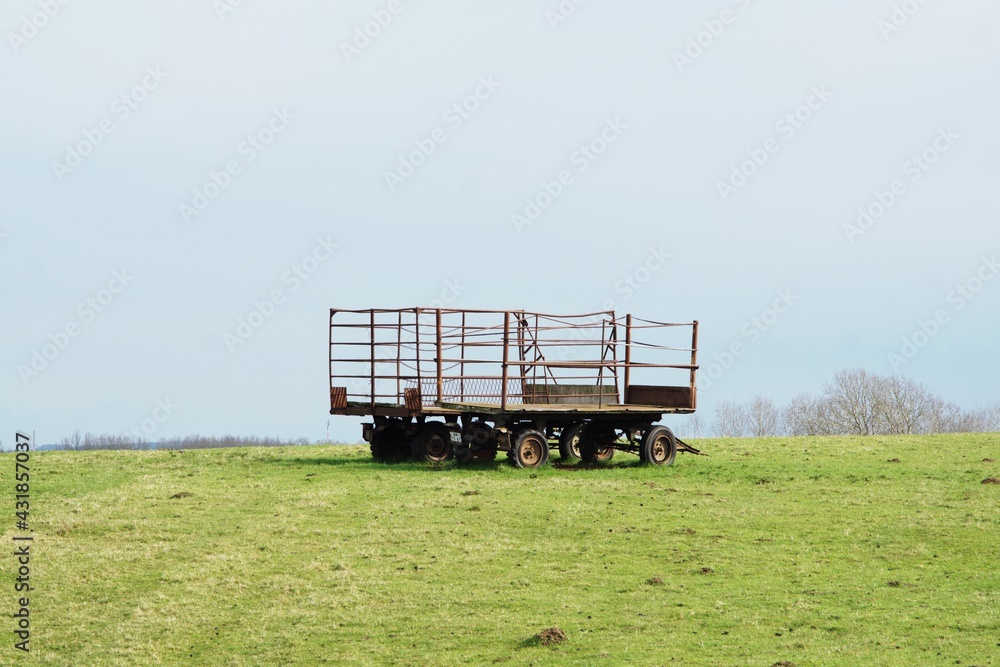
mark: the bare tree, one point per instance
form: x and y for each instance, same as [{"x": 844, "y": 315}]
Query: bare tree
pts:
[
  {"x": 74, "y": 441},
  {"x": 801, "y": 416},
  {"x": 942, "y": 417},
  {"x": 696, "y": 425},
  {"x": 902, "y": 404},
  {"x": 987, "y": 419},
  {"x": 763, "y": 418},
  {"x": 991, "y": 418},
  {"x": 731, "y": 420},
  {"x": 854, "y": 403}
]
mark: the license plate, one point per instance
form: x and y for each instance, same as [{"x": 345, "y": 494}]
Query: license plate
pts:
[{"x": 456, "y": 437}]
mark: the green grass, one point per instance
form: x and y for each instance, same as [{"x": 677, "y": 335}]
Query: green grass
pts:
[{"x": 813, "y": 551}]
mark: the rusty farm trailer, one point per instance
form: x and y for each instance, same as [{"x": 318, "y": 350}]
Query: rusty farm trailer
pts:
[{"x": 441, "y": 382}]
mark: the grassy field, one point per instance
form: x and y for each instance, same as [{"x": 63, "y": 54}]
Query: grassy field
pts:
[{"x": 805, "y": 551}]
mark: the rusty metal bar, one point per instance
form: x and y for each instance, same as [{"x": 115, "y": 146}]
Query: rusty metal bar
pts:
[
  {"x": 600, "y": 371},
  {"x": 628, "y": 353},
  {"x": 329, "y": 349},
  {"x": 399, "y": 355},
  {"x": 521, "y": 352},
  {"x": 480, "y": 311},
  {"x": 614, "y": 357},
  {"x": 416, "y": 327},
  {"x": 461, "y": 371},
  {"x": 694, "y": 353},
  {"x": 595, "y": 364},
  {"x": 440, "y": 377},
  {"x": 373, "y": 358},
  {"x": 506, "y": 355},
  {"x": 538, "y": 357}
]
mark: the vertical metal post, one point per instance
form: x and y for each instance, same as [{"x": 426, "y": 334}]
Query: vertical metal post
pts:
[
  {"x": 329, "y": 355},
  {"x": 440, "y": 379},
  {"x": 534, "y": 369},
  {"x": 506, "y": 358},
  {"x": 628, "y": 354},
  {"x": 416, "y": 329},
  {"x": 603, "y": 358},
  {"x": 614, "y": 355},
  {"x": 461, "y": 381},
  {"x": 522, "y": 352},
  {"x": 372, "y": 360},
  {"x": 399, "y": 361},
  {"x": 694, "y": 359}
]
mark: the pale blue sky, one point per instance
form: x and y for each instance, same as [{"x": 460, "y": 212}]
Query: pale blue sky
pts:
[{"x": 197, "y": 85}]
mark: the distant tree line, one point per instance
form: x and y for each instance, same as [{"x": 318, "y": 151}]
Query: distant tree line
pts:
[
  {"x": 855, "y": 402},
  {"x": 91, "y": 441}
]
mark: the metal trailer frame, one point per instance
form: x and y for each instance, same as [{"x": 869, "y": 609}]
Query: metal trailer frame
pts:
[{"x": 442, "y": 382}]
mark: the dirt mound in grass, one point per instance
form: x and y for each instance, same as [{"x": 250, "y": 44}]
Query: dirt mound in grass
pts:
[
  {"x": 182, "y": 494},
  {"x": 551, "y": 636},
  {"x": 991, "y": 480},
  {"x": 893, "y": 461}
]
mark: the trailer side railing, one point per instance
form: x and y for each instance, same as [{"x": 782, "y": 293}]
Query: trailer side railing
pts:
[{"x": 421, "y": 357}]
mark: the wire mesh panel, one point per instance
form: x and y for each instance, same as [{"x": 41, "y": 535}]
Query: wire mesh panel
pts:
[{"x": 435, "y": 356}]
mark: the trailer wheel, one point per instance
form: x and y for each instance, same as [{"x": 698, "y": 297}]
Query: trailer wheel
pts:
[
  {"x": 478, "y": 446},
  {"x": 569, "y": 443},
  {"x": 659, "y": 446},
  {"x": 597, "y": 444},
  {"x": 433, "y": 443},
  {"x": 529, "y": 450}
]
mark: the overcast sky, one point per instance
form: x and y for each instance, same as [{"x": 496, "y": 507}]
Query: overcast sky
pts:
[{"x": 167, "y": 166}]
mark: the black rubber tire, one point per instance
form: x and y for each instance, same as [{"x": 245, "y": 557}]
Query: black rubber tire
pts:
[
  {"x": 596, "y": 444},
  {"x": 433, "y": 443},
  {"x": 659, "y": 446},
  {"x": 481, "y": 448},
  {"x": 530, "y": 449},
  {"x": 390, "y": 445},
  {"x": 569, "y": 443}
]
